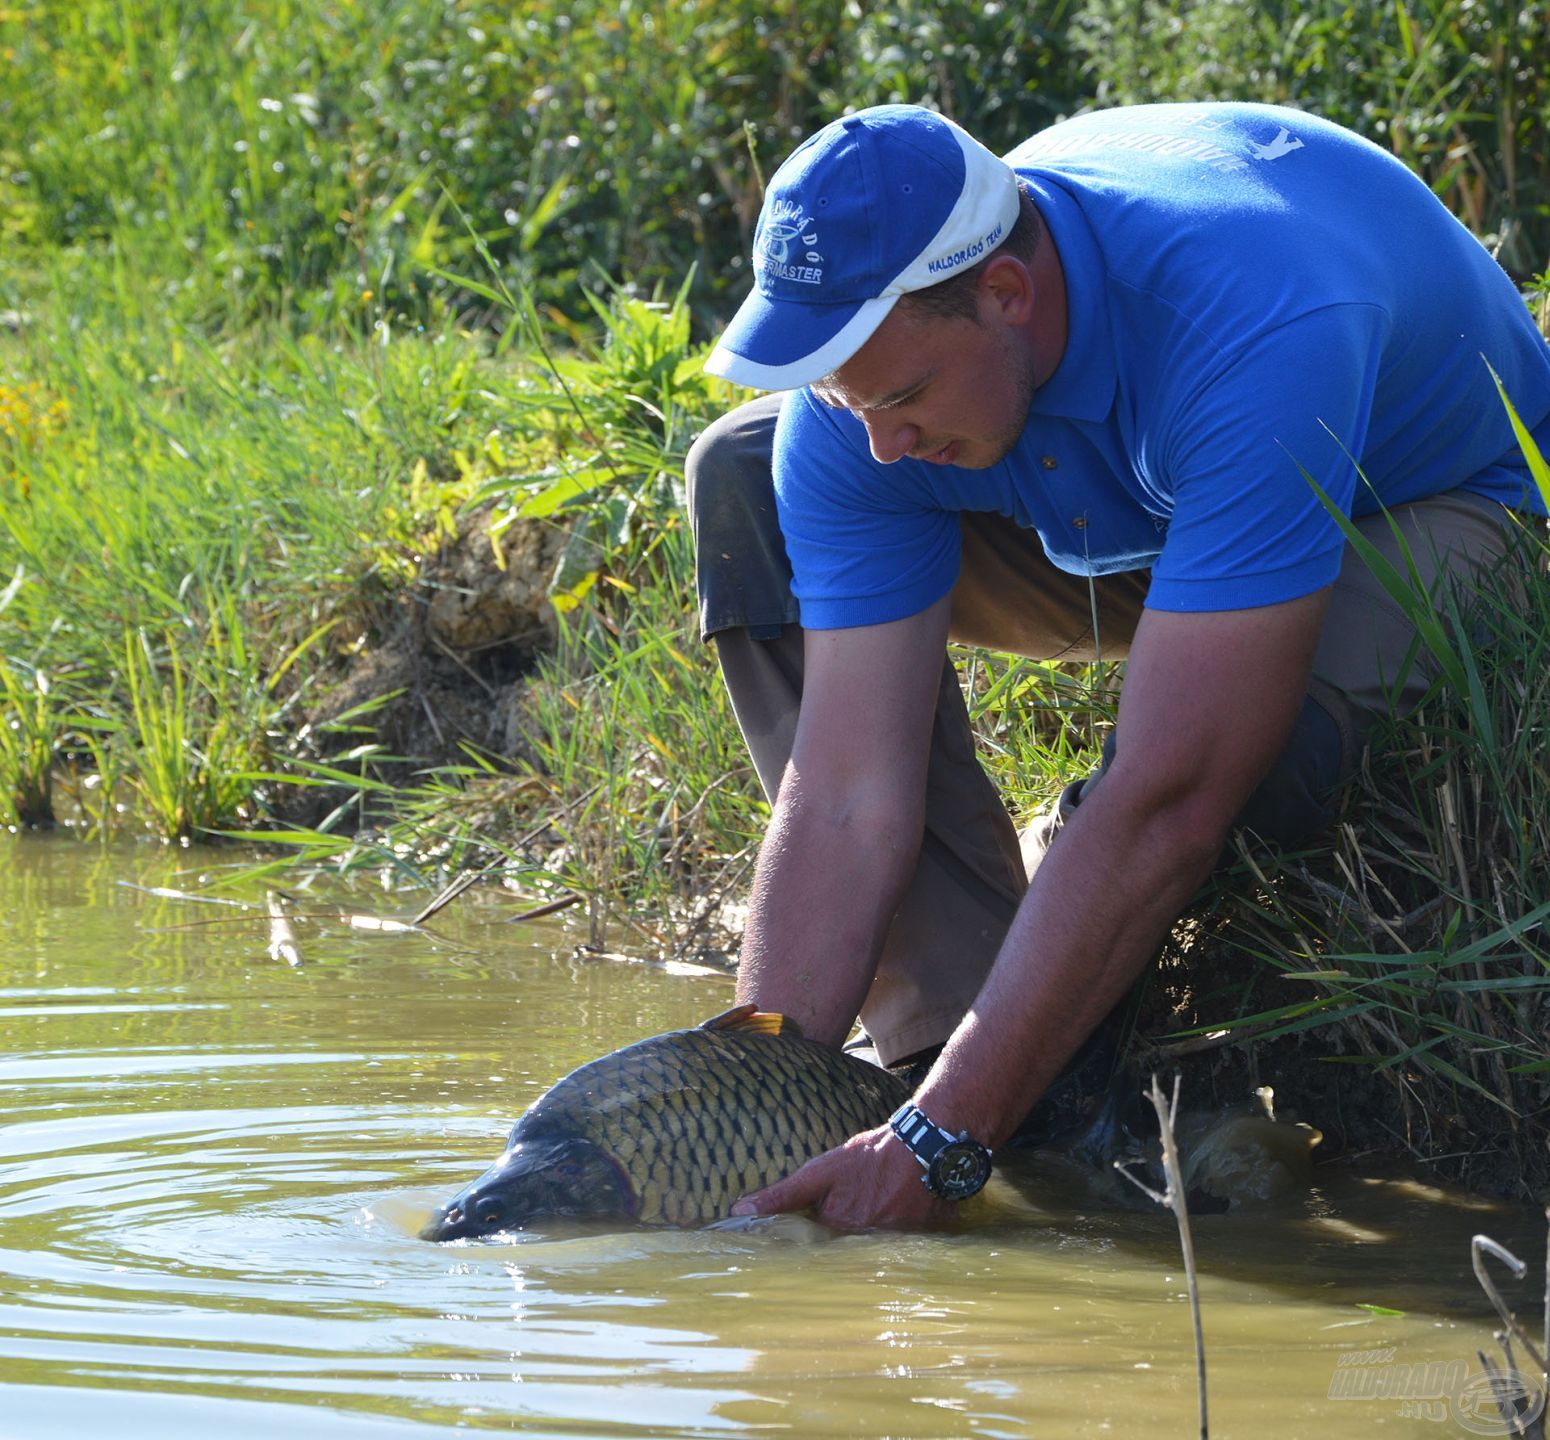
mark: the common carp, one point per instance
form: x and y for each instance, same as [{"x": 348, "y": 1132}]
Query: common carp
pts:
[{"x": 672, "y": 1130}]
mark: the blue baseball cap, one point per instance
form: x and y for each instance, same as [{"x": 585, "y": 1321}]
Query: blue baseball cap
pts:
[{"x": 876, "y": 204}]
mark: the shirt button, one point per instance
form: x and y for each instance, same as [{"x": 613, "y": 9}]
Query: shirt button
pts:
[
  {"x": 1079, "y": 522},
  {"x": 1049, "y": 462}
]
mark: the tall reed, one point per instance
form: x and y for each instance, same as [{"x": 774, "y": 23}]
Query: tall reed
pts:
[{"x": 30, "y": 725}]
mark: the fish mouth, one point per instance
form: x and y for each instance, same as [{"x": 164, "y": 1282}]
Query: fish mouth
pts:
[
  {"x": 534, "y": 1181},
  {"x": 458, "y": 1221},
  {"x": 500, "y": 1199}
]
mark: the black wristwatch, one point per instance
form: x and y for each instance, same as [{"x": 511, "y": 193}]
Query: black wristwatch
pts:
[{"x": 956, "y": 1167}]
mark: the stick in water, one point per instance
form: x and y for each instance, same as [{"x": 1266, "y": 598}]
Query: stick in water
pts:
[
  {"x": 282, "y": 935},
  {"x": 1173, "y": 1199}
]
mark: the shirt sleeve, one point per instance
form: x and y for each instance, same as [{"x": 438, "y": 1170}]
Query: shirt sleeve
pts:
[
  {"x": 868, "y": 543},
  {"x": 1248, "y": 529}
]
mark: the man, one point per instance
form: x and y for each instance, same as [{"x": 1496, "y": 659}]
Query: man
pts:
[{"x": 1066, "y": 402}]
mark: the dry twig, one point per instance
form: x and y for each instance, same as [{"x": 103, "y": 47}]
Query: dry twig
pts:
[
  {"x": 282, "y": 934},
  {"x": 1173, "y": 1199}
]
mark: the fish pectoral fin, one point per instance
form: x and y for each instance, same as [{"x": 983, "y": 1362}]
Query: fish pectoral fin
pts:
[{"x": 751, "y": 1020}]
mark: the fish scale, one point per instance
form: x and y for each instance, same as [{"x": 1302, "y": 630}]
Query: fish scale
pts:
[{"x": 672, "y": 1130}]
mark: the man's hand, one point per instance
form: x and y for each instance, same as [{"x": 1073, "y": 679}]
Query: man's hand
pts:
[{"x": 871, "y": 1181}]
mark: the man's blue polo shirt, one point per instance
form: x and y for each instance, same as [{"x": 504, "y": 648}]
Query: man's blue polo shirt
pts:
[{"x": 1253, "y": 293}]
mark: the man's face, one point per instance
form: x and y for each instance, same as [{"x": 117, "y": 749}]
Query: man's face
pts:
[{"x": 944, "y": 390}]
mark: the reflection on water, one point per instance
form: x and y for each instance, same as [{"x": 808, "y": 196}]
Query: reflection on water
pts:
[{"x": 212, "y": 1168}]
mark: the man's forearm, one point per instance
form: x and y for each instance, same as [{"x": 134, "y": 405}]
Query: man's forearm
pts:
[
  {"x": 1101, "y": 902},
  {"x": 829, "y": 878},
  {"x": 1209, "y": 702}
]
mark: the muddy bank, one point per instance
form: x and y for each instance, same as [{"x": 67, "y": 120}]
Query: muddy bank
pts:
[{"x": 444, "y": 664}]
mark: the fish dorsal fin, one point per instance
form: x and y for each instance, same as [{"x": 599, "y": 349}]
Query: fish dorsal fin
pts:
[{"x": 751, "y": 1020}]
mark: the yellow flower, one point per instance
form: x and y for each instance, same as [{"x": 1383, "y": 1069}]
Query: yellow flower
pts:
[{"x": 27, "y": 414}]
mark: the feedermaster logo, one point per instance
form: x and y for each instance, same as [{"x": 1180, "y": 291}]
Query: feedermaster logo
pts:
[{"x": 786, "y": 247}]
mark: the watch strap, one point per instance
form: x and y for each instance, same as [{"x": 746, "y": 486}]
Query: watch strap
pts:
[{"x": 922, "y": 1137}]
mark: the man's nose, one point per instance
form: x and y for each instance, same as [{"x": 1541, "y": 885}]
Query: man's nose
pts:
[{"x": 890, "y": 439}]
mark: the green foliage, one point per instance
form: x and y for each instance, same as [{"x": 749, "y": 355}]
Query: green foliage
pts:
[
  {"x": 610, "y": 434},
  {"x": 291, "y": 158},
  {"x": 191, "y": 751},
  {"x": 231, "y": 496},
  {"x": 631, "y": 722},
  {"x": 1002, "y": 70},
  {"x": 1038, "y": 724},
  {"x": 314, "y": 174},
  {"x": 1457, "y": 89},
  {"x": 640, "y": 789},
  {"x": 1538, "y": 466}
]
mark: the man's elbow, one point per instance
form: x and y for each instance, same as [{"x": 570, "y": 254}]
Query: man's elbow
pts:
[
  {"x": 1185, "y": 815},
  {"x": 885, "y": 820}
]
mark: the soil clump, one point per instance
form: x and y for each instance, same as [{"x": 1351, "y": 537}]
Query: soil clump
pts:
[{"x": 444, "y": 664}]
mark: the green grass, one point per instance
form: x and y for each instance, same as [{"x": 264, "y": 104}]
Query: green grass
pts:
[
  {"x": 249, "y": 504},
  {"x": 638, "y": 794},
  {"x": 631, "y": 719},
  {"x": 292, "y": 159},
  {"x": 1038, "y": 724}
]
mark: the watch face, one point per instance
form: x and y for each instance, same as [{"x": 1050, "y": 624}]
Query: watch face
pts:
[{"x": 960, "y": 1170}]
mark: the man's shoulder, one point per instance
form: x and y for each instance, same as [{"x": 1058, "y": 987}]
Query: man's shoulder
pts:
[
  {"x": 817, "y": 431},
  {"x": 1233, "y": 186},
  {"x": 1205, "y": 140},
  {"x": 1198, "y": 229}
]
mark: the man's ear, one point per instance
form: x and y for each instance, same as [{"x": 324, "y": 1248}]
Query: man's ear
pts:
[{"x": 1006, "y": 284}]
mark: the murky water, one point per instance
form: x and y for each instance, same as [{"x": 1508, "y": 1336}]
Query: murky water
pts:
[{"x": 212, "y": 1167}]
